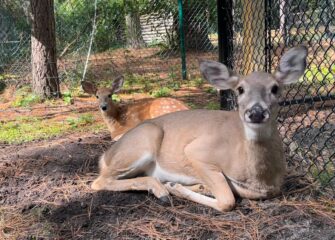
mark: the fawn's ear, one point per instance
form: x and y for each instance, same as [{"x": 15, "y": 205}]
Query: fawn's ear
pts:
[
  {"x": 218, "y": 75},
  {"x": 292, "y": 65},
  {"x": 117, "y": 84},
  {"x": 89, "y": 87}
]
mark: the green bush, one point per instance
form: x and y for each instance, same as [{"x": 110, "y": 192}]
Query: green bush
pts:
[
  {"x": 211, "y": 90},
  {"x": 74, "y": 22},
  {"x": 82, "y": 120},
  {"x": 163, "y": 92},
  {"x": 116, "y": 98},
  {"x": 67, "y": 97},
  {"x": 26, "y": 100},
  {"x": 324, "y": 75}
]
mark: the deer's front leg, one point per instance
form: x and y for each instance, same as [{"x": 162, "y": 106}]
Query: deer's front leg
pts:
[
  {"x": 223, "y": 200},
  {"x": 199, "y": 188},
  {"x": 140, "y": 184}
]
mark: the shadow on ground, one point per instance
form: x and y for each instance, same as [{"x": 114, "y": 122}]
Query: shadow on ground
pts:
[{"x": 45, "y": 194}]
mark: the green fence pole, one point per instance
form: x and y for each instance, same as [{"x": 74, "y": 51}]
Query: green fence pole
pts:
[{"x": 182, "y": 39}]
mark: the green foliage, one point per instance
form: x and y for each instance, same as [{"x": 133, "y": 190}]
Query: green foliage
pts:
[
  {"x": 116, "y": 98},
  {"x": 25, "y": 99},
  {"x": 162, "y": 8},
  {"x": 147, "y": 86},
  {"x": 213, "y": 106},
  {"x": 74, "y": 23},
  {"x": 211, "y": 90},
  {"x": 67, "y": 97},
  {"x": 134, "y": 79},
  {"x": 324, "y": 173},
  {"x": 192, "y": 105},
  {"x": 15, "y": 25},
  {"x": 197, "y": 82},
  {"x": 80, "y": 121},
  {"x": 175, "y": 85},
  {"x": 72, "y": 77},
  {"x": 25, "y": 129},
  {"x": 162, "y": 92},
  {"x": 5, "y": 76},
  {"x": 325, "y": 75},
  {"x": 157, "y": 43},
  {"x": 200, "y": 13},
  {"x": 140, "y": 83},
  {"x": 173, "y": 73},
  {"x": 28, "y": 129}
]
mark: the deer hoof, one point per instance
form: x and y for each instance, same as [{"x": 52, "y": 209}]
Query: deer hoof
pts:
[
  {"x": 96, "y": 185},
  {"x": 170, "y": 184},
  {"x": 165, "y": 199}
]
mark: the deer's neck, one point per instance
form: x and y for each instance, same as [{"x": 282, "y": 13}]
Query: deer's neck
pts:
[
  {"x": 115, "y": 116},
  {"x": 260, "y": 133},
  {"x": 265, "y": 161}
]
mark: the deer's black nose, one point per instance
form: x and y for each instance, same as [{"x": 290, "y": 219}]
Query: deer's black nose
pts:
[
  {"x": 103, "y": 107},
  {"x": 257, "y": 114}
]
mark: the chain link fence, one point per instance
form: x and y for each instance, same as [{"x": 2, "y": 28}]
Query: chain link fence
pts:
[
  {"x": 308, "y": 114},
  {"x": 130, "y": 37},
  {"x": 263, "y": 30},
  {"x": 145, "y": 38}
]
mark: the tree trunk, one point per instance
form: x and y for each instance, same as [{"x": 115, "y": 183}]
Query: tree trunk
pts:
[
  {"x": 196, "y": 25},
  {"x": 43, "y": 49},
  {"x": 253, "y": 45},
  {"x": 133, "y": 25},
  {"x": 134, "y": 33}
]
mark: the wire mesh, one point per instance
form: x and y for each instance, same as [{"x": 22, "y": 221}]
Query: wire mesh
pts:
[
  {"x": 309, "y": 127},
  {"x": 132, "y": 37},
  {"x": 263, "y": 30}
]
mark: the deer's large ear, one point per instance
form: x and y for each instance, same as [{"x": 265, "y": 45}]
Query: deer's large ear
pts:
[
  {"x": 117, "y": 84},
  {"x": 89, "y": 87},
  {"x": 292, "y": 65},
  {"x": 218, "y": 75}
]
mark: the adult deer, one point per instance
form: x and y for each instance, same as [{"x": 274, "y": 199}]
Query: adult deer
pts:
[
  {"x": 120, "y": 118},
  {"x": 232, "y": 153}
]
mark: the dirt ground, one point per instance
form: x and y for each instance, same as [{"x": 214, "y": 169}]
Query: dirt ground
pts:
[{"x": 45, "y": 194}]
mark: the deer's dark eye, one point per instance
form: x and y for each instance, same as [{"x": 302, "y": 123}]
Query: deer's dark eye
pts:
[
  {"x": 274, "y": 89},
  {"x": 240, "y": 90},
  {"x": 110, "y": 95},
  {"x": 97, "y": 96}
]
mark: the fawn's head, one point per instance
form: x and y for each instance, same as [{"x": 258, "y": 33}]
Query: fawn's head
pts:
[
  {"x": 258, "y": 93},
  {"x": 104, "y": 95}
]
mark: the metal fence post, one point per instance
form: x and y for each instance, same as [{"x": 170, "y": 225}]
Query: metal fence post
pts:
[
  {"x": 182, "y": 39},
  {"x": 225, "y": 41}
]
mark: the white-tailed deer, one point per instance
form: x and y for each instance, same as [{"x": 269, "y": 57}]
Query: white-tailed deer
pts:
[
  {"x": 120, "y": 118},
  {"x": 231, "y": 153}
]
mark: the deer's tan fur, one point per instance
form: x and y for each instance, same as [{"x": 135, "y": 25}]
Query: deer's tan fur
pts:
[
  {"x": 232, "y": 153},
  {"x": 119, "y": 118}
]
